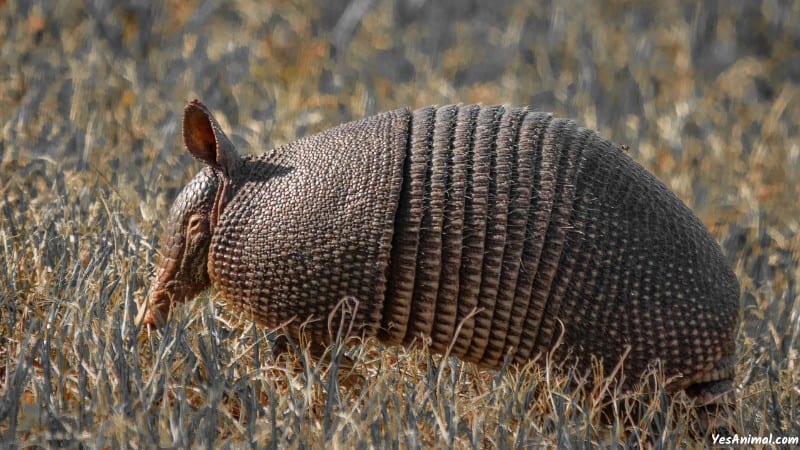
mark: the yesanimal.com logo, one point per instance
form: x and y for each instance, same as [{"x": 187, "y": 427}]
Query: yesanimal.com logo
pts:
[{"x": 755, "y": 440}]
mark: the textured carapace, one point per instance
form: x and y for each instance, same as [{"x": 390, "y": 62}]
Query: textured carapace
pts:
[{"x": 492, "y": 232}]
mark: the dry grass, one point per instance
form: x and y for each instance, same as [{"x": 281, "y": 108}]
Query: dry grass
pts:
[{"x": 707, "y": 96}]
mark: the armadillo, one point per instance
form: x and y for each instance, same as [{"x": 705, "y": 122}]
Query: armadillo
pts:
[{"x": 489, "y": 233}]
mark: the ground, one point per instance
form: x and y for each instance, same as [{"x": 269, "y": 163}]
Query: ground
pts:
[{"x": 705, "y": 95}]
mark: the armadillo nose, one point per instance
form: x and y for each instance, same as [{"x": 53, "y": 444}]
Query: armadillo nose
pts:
[{"x": 153, "y": 313}]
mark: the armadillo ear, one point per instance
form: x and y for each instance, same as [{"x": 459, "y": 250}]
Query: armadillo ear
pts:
[{"x": 205, "y": 140}]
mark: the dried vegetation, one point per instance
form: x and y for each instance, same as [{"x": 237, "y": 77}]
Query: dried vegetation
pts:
[{"x": 707, "y": 96}]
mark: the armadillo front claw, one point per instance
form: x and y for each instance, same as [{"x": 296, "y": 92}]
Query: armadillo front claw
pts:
[{"x": 152, "y": 313}]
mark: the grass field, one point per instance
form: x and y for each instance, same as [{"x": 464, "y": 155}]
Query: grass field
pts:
[{"x": 706, "y": 95}]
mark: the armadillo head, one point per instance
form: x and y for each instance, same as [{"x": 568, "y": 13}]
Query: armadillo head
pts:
[
  {"x": 182, "y": 271},
  {"x": 183, "y": 268}
]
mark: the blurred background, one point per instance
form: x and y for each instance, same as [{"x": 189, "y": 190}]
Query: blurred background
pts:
[{"x": 705, "y": 94}]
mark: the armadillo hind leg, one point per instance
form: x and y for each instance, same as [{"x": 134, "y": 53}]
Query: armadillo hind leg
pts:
[{"x": 715, "y": 400}]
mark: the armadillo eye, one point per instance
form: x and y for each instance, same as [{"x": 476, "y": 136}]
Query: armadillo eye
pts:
[{"x": 194, "y": 224}]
